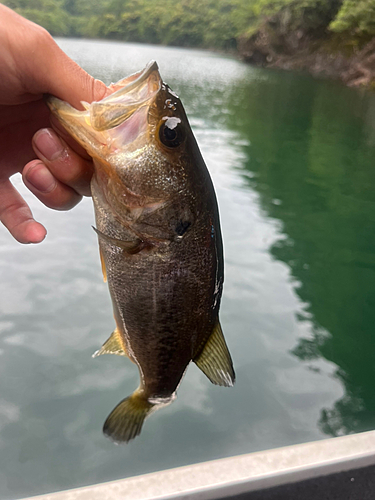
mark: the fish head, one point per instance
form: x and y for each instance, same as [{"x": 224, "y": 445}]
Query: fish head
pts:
[{"x": 139, "y": 138}]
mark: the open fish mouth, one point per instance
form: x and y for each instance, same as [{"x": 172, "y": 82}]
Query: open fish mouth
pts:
[
  {"x": 119, "y": 120},
  {"x": 133, "y": 93}
]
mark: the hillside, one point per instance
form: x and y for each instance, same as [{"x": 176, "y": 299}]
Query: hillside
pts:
[{"x": 332, "y": 38}]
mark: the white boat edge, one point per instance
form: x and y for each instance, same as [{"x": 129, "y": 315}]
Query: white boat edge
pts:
[{"x": 235, "y": 475}]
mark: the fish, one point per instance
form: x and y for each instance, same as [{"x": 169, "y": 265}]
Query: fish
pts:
[{"x": 160, "y": 242}]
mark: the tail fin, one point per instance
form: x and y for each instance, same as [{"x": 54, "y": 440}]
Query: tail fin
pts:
[{"x": 125, "y": 421}]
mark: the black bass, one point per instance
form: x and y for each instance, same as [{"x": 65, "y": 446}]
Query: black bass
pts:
[{"x": 159, "y": 237}]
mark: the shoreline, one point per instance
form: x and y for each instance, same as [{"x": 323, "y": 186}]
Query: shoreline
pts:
[
  {"x": 323, "y": 54},
  {"x": 314, "y": 57}
]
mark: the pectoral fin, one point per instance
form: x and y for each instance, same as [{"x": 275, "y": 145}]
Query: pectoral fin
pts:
[
  {"x": 114, "y": 345},
  {"x": 130, "y": 247},
  {"x": 104, "y": 270},
  {"x": 215, "y": 360}
]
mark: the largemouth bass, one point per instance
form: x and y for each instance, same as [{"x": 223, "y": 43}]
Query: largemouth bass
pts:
[{"x": 160, "y": 242}]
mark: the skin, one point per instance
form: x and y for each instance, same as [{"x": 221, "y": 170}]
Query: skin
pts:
[{"x": 53, "y": 166}]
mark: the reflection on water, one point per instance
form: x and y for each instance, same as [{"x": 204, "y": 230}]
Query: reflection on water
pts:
[
  {"x": 312, "y": 161},
  {"x": 291, "y": 160}
]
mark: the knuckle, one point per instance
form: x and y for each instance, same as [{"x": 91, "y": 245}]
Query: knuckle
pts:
[
  {"x": 70, "y": 202},
  {"x": 38, "y": 37}
]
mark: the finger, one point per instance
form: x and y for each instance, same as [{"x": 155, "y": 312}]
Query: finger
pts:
[
  {"x": 42, "y": 67},
  {"x": 69, "y": 82},
  {"x": 64, "y": 164},
  {"x": 50, "y": 191},
  {"x": 51, "y": 71},
  {"x": 16, "y": 216},
  {"x": 18, "y": 124},
  {"x": 64, "y": 78},
  {"x": 64, "y": 134}
]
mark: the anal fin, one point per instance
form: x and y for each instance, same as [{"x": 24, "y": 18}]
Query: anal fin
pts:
[
  {"x": 215, "y": 360},
  {"x": 114, "y": 345}
]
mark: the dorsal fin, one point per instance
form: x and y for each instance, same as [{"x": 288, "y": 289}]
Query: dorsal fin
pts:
[{"x": 215, "y": 360}]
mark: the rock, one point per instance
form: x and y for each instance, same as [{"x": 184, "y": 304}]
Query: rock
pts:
[{"x": 281, "y": 41}]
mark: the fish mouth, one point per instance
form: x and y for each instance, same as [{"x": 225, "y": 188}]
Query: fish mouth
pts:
[
  {"x": 136, "y": 79},
  {"x": 117, "y": 124},
  {"x": 131, "y": 94}
]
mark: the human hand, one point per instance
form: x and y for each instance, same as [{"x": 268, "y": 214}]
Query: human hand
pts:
[{"x": 32, "y": 64}]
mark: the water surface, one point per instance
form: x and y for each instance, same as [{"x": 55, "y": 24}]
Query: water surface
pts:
[{"x": 292, "y": 160}]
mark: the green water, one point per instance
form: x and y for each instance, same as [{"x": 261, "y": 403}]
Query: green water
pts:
[
  {"x": 312, "y": 162},
  {"x": 292, "y": 160}
]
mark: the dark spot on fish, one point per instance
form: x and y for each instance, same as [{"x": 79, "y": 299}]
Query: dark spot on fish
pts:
[{"x": 182, "y": 227}]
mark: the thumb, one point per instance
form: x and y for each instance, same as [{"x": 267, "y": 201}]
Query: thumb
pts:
[
  {"x": 66, "y": 80},
  {"x": 42, "y": 67}
]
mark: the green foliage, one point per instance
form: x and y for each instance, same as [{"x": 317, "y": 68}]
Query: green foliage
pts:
[
  {"x": 203, "y": 23},
  {"x": 48, "y": 13},
  {"x": 196, "y": 23},
  {"x": 56, "y": 24},
  {"x": 306, "y": 14},
  {"x": 356, "y": 17}
]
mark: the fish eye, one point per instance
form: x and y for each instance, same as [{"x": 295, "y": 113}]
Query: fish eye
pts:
[{"x": 171, "y": 132}]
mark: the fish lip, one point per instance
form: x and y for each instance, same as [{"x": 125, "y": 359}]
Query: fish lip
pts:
[
  {"x": 143, "y": 75},
  {"x": 131, "y": 96}
]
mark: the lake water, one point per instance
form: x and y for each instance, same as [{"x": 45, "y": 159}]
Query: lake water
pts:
[{"x": 292, "y": 161}]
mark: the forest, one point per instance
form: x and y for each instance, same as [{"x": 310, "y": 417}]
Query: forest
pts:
[
  {"x": 290, "y": 34},
  {"x": 195, "y": 23}
]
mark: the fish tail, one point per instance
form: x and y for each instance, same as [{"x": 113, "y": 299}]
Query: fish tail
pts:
[{"x": 125, "y": 421}]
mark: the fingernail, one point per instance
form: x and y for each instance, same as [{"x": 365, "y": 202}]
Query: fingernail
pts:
[
  {"x": 41, "y": 178},
  {"x": 100, "y": 90},
  {"x": 48, "y": 144}
]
